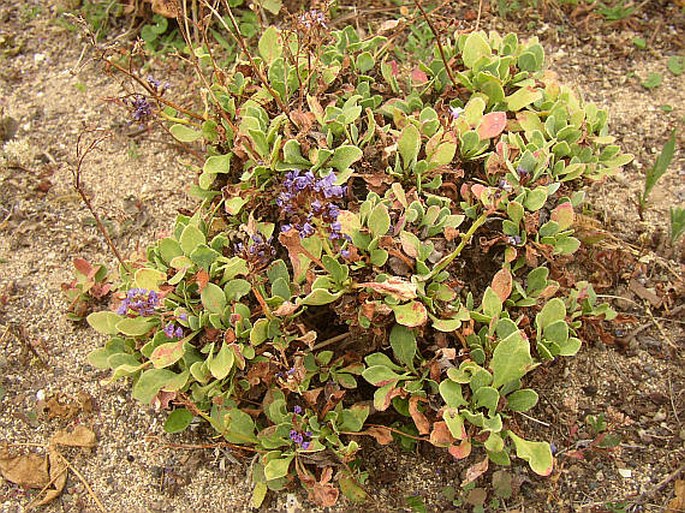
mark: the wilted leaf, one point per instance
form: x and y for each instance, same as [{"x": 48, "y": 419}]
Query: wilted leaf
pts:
[
  {"x": 677, "y": 504},
  {"x": 381, "y": 434},
  {"x": 58, "y": 477},
  {"x": 492, "y": 124},
  {"x": 440, "y": 435},
  {"x": 461, "y": 451},
  {"x": 80, "y": 436},
  {"x": 26, "y": 470},
  {"x": 411, "y": 315},
  {"x": 475, "y": 471},
  {"x": 502, "y": 284},
  {"x": 501, "y": 483},
  {"x": 395, "y": 287},
  {"x": 420, "y": 420}
]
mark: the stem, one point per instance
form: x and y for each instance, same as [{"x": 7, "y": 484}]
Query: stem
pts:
[
  {"x": 76, "y": 173},
  {"x": 465, "y": 239},
  {"x": 437, "y": 40},
  {"x": 241, "y": 42}
]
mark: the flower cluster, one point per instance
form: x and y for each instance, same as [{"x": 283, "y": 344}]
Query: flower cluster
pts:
[
  {"x": 142, "y": 108},
  {"x": 313, "y": 18},
  {"x": 173, "y": 331},
  {"x": 157, "y": 85},
  {"x": 299, "y": 438},
  {"x": 141, "y": 301},
  {"x": 305, "y": 198},
  {"x": 258, "y": 250}
]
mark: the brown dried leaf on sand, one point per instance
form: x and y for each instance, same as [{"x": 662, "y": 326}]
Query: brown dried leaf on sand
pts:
[{"x": 80, "y": 436}]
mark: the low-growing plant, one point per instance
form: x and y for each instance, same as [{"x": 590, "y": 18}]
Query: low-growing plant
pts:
[
  {"x": 374, "y": 256},
  {"x": 658, "y": 170},
  {"x": 91, "y": 285}
]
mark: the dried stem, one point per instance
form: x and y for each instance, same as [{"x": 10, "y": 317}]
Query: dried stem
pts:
[
  {"x": 436, "y": 34},
  {"x": 235, "y": 33},
  {"x": 81, "y": 155}
]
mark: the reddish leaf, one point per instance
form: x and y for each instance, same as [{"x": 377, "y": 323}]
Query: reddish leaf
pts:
[
  {"x": 202, "y": 279},
  {"x": 461, "y": 451},
  {"x": 441, "y": 436},
  {"x": 475, "y": 471},
  {"x": 418, "y": 76},
  {"x": 502, "y": 284},
  {"x": 492, "y": 124},
  {"x": 477, "y": 190},
  {"x": 422, "y": 423},
  {"x": 563, "y": 215},
  {"x": 83, "y": 267}
]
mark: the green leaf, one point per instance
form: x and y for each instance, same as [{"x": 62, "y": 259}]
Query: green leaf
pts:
[
  {"x": 661, "y": 165},
  {"x": 411, "y": 315},
  {"x": 652, "y": 81},
  {"x": 553, "y": 311},
  {"x": 258, "y": 494},
  {"x": 217, "y": 164},
  {"x": 511, "y": 359},
  {"x": 379, "y": 375},
  {"x": 178, "y": 420},
  {"x": 235, "y": 289},
  {"x": 676, "y": 64},
  {"x": 184, "y": 134},
  {"x": 522, "y": 400},
  {"x": 522, "y": 98},
  {"x": 403, "y": 343},
  {"x": 165, "y": 355},
  {"x": 455, "y": 423},
  {"x": 537, "y": 454},
  {"x": 492, "y": 304},
  {"x": 234, "y": 205},
  {"x": 150, "y": 383},
  {"x": 222, "y": 363},
  {"x": 277, "y": 468},
  {"x": 149, "y": 279},
  {"x": 104, "y": 322},
  {"x": 476, "y": 47},
  {"x": 190, "y": 238},
  {"x": 452, "y": 394},
  {"x": 270, "y": 47},
  {"x": 344, "y": 157},
  {"x": 213, "y": 298},
  {"x": 409, "y": 144},
  {"x": 320, "y": 297},
  {"x": 134, "y": 326},
  {"x": 379, "y": 220},
  {"x": 273, "y": 6},
  {"x": 535, "y": 199},
  {"x": 259, "y": 332},
  {"x": 351, "y": 489}
]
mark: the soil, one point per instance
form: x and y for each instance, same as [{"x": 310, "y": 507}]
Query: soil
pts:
[{"x": 630, "y": 372}]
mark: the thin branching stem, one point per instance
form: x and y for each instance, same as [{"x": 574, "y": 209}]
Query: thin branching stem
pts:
[
  {"x": 436, "y": 34},
  {"x": 76, "y": 171}
]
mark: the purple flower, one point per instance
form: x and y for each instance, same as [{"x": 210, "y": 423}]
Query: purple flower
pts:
[
  {"x": 522, "y": 171},
  {"x": 305, "y": 445},
  {"x": 142, "y": 108},
  {"x": 455, "y": 112},
  {"x": 297, "y": 410},
  {"x": 169, "y": 330},
  {"x": 141, "y": 301},
  {"x": 345, "y": 253}
]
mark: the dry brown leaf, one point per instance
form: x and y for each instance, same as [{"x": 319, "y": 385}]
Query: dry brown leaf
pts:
[
  {"x": 421, "y": 421},
  {"x": 475, "y": 471},
  {"x": 58, "y": 478},
  {"x": 677, "y": 504},
  {"x": 382, "y": 434},
  {"x": 27, "y": 470},
  {"x": 80, "y": 436}
]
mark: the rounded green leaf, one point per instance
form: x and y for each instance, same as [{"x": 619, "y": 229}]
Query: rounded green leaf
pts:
[
  {"x": 213, "y": 298},
  {"x": 411, "y": 315},
  {"x": 511, "y": 359},
  {"x": 178, "y": 420},
  {"x": 134, "y": 326},
  {"x": 184, "y": 133},
  {"x": 537, "y": 454},
  {"x": 522, "y": 400},
  {"x": 475, "y": 48},
  {"x": 104, "y": 322}
]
